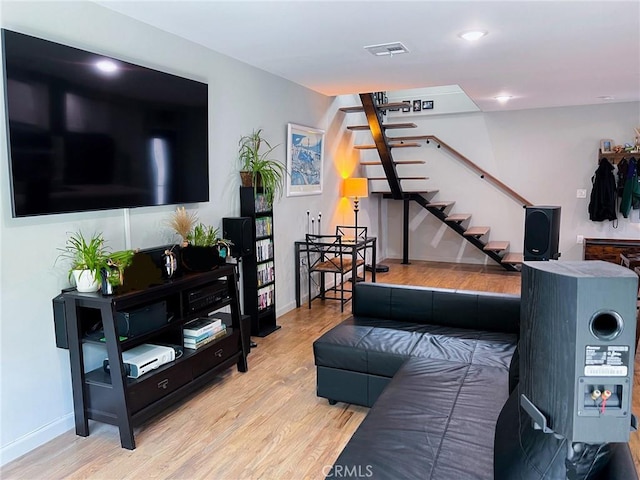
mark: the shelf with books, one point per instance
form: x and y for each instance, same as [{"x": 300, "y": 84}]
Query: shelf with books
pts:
[{"x": 258, "y": 269}]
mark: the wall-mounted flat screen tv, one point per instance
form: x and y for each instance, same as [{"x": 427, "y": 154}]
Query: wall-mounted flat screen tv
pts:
[{"x": 90, "y": 132}]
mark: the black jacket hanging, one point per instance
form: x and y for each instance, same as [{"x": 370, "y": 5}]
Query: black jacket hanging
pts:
[{"x": 603, "y": 195}]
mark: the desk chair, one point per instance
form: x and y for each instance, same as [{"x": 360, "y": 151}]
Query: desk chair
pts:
[
  {"x": 326, "y": 254},
  {"x": 351, "y": 233}
]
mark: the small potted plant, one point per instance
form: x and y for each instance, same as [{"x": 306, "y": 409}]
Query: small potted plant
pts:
[
  {"x": 88, "y": 257},
  {"x": 257, "y": 169},
  {"x": 113, "y": 272},
  {"x": 202, "y": 248}
]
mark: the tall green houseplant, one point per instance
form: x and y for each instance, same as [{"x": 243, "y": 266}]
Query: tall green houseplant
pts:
[{"x": 257, "y": 169}]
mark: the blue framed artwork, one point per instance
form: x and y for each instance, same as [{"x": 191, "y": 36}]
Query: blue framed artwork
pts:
[{"x": 305, "y": 155}]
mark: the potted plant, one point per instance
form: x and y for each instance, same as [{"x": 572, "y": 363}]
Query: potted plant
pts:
[
  {"x": 202, "y": 248},
  {"x": 257, "y": 169},
  {"x": 113, "y": 271},
  {"x": 88, "y": 257}
]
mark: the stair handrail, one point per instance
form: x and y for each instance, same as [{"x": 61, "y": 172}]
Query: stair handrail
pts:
[{"x": 483, "y": 173}]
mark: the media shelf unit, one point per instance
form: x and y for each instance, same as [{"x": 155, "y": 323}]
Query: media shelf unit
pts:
[
  {"x": 114, "y": 398},
  {"x": 258, "y": 269}
]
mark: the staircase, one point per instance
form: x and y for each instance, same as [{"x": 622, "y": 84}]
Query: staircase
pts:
[{"x": 399, "y": 186}]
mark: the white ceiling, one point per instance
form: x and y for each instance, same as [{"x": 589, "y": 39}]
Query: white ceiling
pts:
[{"x": 543, "y": 53}]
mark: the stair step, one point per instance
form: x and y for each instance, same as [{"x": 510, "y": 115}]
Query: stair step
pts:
[
  {"x": 476, "y": 231},
  {"x": 408, "y": 177},
  {"x": 442, "y": 206},
  {"x": 397, "y": 162},
  {"x": 384, "y": 106},
  {"x": 421, "y": 192},
  {"x": 458, "y": 217},
  {"x": 513, "y": 258},
  {"x": 496, "y": 246},
  {"x": 391, "y": 145},
  {"x": 386, "y": 126},
  {"x": 409, "y": 137}
]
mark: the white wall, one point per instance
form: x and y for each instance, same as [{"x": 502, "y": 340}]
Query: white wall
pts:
[
  {"x": 545, "y": 155},
  {"x": 36, "y": 402}
]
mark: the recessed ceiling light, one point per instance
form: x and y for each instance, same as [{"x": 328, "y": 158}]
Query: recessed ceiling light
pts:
[
  {"x": 106, "y": 66},
  {"x": 606, "y": 97},
  {"x": 503, "y": 98},
  {"x": 473, "y": 35}
]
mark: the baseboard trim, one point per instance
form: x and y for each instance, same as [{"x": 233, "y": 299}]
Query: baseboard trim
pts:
[{"x": 32, "y": 440}]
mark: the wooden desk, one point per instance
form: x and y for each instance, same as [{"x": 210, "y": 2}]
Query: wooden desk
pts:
[{"x": 352, "y": 247}]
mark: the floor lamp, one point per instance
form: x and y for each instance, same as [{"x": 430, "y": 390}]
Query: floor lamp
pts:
[{"x": 355, "y": 188}]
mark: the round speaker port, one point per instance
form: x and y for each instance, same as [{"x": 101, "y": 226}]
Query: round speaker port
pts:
[{"x": 606, "y": 324}]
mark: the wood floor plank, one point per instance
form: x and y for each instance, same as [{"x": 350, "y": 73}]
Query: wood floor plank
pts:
[{"x": 265, "y": 424}]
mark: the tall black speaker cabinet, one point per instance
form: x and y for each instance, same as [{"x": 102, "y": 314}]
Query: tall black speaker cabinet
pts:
[
  {"x": 542, "y": 233},
  {"x": 577, "y": 345},
  {"x": 258, "y": 268}
]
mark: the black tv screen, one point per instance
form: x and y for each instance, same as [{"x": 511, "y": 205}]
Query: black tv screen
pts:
[{"x": 90, "y": 132}]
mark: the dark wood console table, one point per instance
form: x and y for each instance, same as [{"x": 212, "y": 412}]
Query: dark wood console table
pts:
[
  {"x": 609, "y": 249},
  {"x": 116, "y": 399}
]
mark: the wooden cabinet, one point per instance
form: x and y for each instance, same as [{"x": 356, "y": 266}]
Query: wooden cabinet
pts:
[
  {"x": 113, "y": 397},
  {"x": 609, "y": 249},
  {"x": 258, "y": 269}
]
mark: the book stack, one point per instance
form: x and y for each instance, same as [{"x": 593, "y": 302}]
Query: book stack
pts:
[{"x": 201, "y": 331}]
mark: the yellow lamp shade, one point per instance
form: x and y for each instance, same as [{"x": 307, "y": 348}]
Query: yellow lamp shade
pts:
[{"x": 355, "y": 187}]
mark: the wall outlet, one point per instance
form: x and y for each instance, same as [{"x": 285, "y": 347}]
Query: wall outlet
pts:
[
  {"x": 580, "y": 239},
  {"x": 581, "y": 193}
]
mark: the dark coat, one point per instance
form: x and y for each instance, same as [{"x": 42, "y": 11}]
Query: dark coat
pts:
[{"x": 603, "y": 195}]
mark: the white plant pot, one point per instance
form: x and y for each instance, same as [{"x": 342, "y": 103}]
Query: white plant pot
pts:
[{"x": 86, "y": 281}]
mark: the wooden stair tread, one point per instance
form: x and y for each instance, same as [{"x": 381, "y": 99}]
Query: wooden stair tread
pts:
[
  {"x": 408, "y": 177},
  {"x": 397, "y": 162},
  {"x": 386, "y": 126},
  {"x": 476, "y": 231},
  {"x": 421, "y": 192},
  {"x": 352, "y": 109},
  {"x": 440, "y": 205},
  {"x": 458, "y": 217},
  {"x": 513, "y": 257},
  {"x": 496, "y": 246},
  {"x": 384, "y": 106},
  {"x": 409, "y": 137},
  {"x": 391, "y": 145}
]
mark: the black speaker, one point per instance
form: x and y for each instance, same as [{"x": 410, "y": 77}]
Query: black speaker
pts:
[
  {"x": 541, "y": 233},
  {"x": 238, "y": 230},
  {"x": 577, "y": 345}
]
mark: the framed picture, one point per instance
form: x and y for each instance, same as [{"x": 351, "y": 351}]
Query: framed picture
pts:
[
  {"x": 417, "y": 105},
  {"x": 305, "y": 155},
  {"x": 408, "y": 107},
  {"x": 427, "y": 104},
  {"x": 606, "y": 145}
]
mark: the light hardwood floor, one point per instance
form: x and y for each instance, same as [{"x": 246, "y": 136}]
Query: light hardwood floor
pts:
[{"x": 263, "y": 424}]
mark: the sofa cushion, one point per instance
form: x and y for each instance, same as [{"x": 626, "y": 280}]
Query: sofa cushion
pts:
[
  {"x": 436, "y": 415},
  {"x": 366, "y": 345},
  {"x": 380, "y": 347}
]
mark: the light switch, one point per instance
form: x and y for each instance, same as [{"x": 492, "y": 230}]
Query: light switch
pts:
[{"x": 581, "y": 193}]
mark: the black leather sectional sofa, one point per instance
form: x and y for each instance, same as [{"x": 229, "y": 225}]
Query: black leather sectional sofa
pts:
[{"x": 437, "y": 368}]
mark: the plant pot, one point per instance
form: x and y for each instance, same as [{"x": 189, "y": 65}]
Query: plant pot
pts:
[
  {"x": 246, "y": 178},
  {"x": 199, "y": 259},
  {"x": 86, "y": 281}
]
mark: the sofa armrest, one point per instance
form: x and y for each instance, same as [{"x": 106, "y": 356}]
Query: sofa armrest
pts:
[{"x": 455, "y": 308}]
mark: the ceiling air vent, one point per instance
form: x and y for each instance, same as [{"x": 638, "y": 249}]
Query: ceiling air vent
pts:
[{"x": 395, "y": 48}]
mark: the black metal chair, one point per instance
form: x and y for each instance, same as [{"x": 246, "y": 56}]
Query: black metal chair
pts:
[
  {"x": 350, "y": 233},
  {"x": 326, "y": 254}
]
